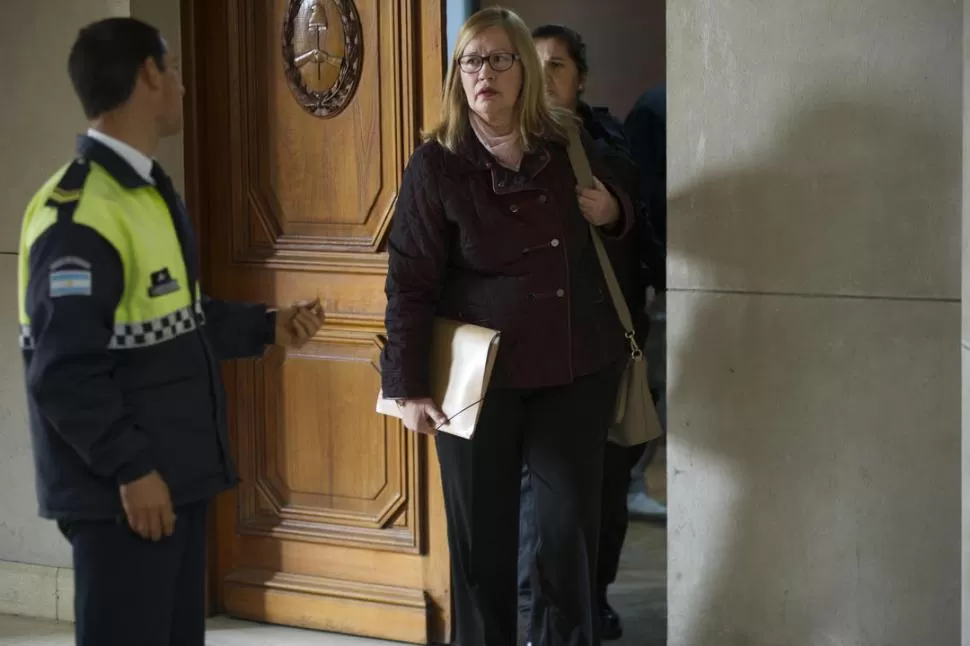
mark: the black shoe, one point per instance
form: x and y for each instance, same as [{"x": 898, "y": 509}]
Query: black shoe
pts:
[{"x": 611, "y": 626}]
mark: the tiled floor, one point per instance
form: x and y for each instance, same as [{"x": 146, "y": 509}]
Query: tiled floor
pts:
[
  {"x": 639, "y": 596},
  {"x": 17, "y": 631},
  {"x": 640, "y": 592}
]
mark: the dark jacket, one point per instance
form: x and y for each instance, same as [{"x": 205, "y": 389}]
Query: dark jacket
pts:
[
  {"x": 650, "y": 260},
  {"x": 476, "y": 242},
  {"x": 647, "y": 264},
  {"x": 646, "y": 130},
  {"x": 606, "y": 131},
  {"x": 101, "y": 417}
]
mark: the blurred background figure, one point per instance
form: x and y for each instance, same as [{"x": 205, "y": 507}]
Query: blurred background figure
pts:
[
  {"x": 563, "y": 55},
  {"x": 646, "y": 132}
]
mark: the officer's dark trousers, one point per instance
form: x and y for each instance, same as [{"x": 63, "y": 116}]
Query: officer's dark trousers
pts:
[
  {"x": 130, "y": 591},
  {"x": 560, "y": 433}
]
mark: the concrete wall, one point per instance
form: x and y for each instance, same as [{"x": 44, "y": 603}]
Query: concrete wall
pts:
[
  {"x": 39, "y": 118},
  {"x": 815, "y": 190},
  {"x": 624, "y": 40},
  {"x": 965, "y": 353}
]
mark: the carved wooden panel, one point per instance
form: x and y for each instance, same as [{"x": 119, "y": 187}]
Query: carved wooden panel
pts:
[
  {"x": 318, "y": 464},
  {"x": 308, "y": 185},
  {"x": 383, "y": 612},
  {"x": 338, "y": 523}
]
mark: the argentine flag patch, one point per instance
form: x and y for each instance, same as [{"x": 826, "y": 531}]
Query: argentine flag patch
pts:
[{"x": 70, "y": 277}]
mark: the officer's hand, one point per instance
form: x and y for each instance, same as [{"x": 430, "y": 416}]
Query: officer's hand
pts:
[
  {"x": 297, "y": 324},
  {"x": 148, "y": 507}
]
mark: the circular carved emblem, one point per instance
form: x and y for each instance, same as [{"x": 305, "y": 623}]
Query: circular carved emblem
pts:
[{"x": 322, "y": 54}]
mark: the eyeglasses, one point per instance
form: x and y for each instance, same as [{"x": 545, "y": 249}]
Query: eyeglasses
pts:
[{"x": 498, "y": 61}]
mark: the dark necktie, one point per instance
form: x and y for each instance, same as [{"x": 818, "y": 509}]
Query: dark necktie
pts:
[{"x": 181, "y": 221}]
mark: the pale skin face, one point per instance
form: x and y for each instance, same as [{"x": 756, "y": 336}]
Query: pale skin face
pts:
[
  {"x": 562, "y": 79},
  {"x": 490, "y": 94}
]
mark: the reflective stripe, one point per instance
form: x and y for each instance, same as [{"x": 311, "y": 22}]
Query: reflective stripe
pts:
[
  {"x": 129, "y": 336},
  {"x": 155, "y": 331}
]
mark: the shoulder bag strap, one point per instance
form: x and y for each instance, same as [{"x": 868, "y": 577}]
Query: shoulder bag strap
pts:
[{"x": 584, "y": 175}]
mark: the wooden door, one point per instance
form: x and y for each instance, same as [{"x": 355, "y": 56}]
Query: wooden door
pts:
[{"x": 301, "y": 116}]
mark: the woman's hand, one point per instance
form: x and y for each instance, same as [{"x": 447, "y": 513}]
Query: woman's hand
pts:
[
  {"x": 422, "y": 415},
  {"x": 598, "y": 205}
]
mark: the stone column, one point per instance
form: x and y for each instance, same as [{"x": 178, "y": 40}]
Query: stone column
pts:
[
  {"x": 965, "y": 354},
  {"x": 814, "y": 232}
]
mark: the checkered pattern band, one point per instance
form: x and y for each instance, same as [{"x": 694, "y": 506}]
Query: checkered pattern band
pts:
[
  {"x": 147, "y": 333},
  {"x": 128, "y": 336}
]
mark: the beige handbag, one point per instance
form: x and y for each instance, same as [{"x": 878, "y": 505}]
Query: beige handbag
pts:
[
  {"x": 636, "y": 418},
  {"x": 462, "y": 356}
]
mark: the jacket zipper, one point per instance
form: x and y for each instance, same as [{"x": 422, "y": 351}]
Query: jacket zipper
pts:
[{"x": 218, "y": 412}]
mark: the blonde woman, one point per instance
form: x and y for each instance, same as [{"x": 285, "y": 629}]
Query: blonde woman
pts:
[{"x": 490, "y": 228}]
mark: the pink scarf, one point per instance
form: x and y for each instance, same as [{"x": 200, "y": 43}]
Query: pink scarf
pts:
[{"x": 507, "y": 149}]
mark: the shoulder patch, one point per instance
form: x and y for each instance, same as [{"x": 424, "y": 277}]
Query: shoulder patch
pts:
[
  {"x": 68, "y": 190},
  {"x": 70, "y": 276}
]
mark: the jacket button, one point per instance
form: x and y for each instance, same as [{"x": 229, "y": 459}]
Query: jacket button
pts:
[
  {"x": 514, "y": 208},
  {"x": 501, "y": 183},
  {"x": 560, "y": 292},
  {"x": 542, "y": 199},
  {"x": 554, "y": 242}
]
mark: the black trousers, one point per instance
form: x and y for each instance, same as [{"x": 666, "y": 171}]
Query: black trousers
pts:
[
  {"x": 560, "y": 433},
  {"x": 615, "y": 517},
  {"x": 618, "y": 461},
  {"x": 129, "y": 590}
]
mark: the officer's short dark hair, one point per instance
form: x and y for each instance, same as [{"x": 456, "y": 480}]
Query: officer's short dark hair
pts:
[
  {"x": 571, "y": 38},
  {"x": 106, "y": 58}
]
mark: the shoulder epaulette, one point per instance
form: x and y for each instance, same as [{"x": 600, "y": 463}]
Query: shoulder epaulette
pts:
[{"x": 68, "y": 190}]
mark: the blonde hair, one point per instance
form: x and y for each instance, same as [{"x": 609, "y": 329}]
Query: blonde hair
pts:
[{"x": 537, "y": 119}]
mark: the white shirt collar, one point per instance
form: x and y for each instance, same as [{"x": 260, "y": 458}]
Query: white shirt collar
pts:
[{"x": 136, "y": 159}]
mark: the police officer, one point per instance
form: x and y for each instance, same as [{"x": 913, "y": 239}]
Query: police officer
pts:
[{"x": 121, "y": 350}]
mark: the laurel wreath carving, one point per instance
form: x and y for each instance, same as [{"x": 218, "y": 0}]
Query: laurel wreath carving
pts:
[{"x": 335, "y": 99}]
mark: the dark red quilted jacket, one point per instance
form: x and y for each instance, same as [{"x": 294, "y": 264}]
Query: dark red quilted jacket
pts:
[{"x": 476, "y": 242}]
